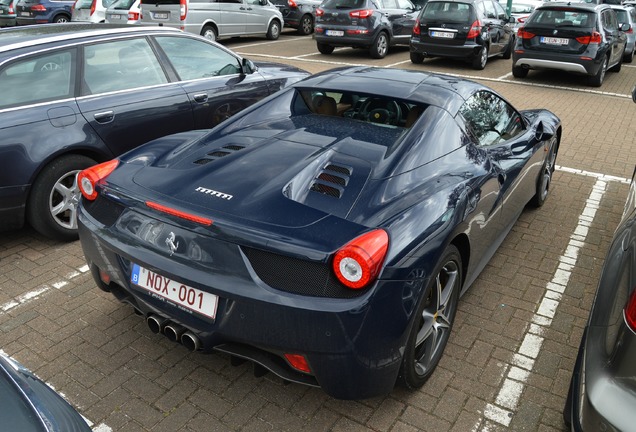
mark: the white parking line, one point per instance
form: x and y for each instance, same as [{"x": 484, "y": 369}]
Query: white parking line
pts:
[
  {"x": 290, "y": 39},
  {"x": 503, "y": 77}
]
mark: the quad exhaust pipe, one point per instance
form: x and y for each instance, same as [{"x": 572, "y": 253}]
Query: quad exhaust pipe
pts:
[{"x": 174, "y": 332}]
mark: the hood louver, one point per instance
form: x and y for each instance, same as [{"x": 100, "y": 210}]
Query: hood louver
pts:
[
  {"x": 332, "y": 180},
  {"x": 219, "y": 153}
]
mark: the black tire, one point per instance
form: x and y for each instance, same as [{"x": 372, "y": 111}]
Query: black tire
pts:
[
  {"x": 519, "y": 72},
  {"x": 60, "y": 19},
  {"x": 545, "y": 177},
  {"x": 597, "y": 80},
  {"x": 480, "y": 60},
  {"x": 629, "y": 57},
  {"x": 306, "y": 25},
  {"x": 433, "y": 321},
  {"x": 324, "y": 48},
  {"x": 508, "y": 52},
  {"x": 273, "y": 32},
  {"x": 52, "y": 205},
  {"x": 209, "y": 32},
  {"x": 380, "y": 46},
  {"x": 417, "y": 58}
]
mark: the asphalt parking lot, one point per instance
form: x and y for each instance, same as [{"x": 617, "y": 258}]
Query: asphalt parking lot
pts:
[{"x": 514, "y": 342}]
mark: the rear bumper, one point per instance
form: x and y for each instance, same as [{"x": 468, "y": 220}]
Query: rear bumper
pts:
[
  {"x": 365, "y": 40},
  {"x": 466, "y": 51},
  {"x": 568, "y": 63},
  {"x": 353, "y": 346},
  {"x": 7, "y": 21}
]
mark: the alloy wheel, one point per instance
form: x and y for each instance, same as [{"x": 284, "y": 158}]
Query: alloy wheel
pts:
[{"x": 64, "y": 199}]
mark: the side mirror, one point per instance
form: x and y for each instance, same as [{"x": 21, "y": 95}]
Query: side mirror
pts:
[
  {"x": 626, "y": 27},
  {"x": 541, "y": 134},
  {"x": 248, "y": 66},
  {"x": 263, "y": 2},
  {"x": 417, "y": 7},
  {"x": 512, "y": 20},
  {"x": 634, "y": 94}
]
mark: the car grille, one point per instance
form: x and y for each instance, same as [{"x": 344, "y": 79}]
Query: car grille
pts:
[
  {"x": 219, "y": 153},
  {"x": 105, "y": 211},
  {"x": 298, "y": 276},
  {"x": 332, "y": 180}
]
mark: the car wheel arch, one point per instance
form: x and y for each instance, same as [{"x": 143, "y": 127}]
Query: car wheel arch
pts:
[{"x": 86, "y": 152}]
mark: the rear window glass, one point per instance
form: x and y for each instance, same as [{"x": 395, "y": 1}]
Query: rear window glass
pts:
[
  {"x": 447, "y": 11},
  {"x": 621, "y": 16},
  {"x": 344, "y": 4},
  {"x": 560, "y": 17},
  {"x": 122, "y": 4},
  {"x": 521, "y": 8}
]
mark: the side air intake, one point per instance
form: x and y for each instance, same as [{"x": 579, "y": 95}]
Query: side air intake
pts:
[
  {"x": 219, "y": 153},
  {"x": 332, "y": 180}
]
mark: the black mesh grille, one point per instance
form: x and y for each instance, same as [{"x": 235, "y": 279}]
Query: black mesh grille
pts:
[
  {"x": 297, "y": 275},
  {"x": 202, "y": 161},
  {"x": 339, "y": 169},
  {"x": 104, "y": 210},
  {"x": 234, "y": 147},
  {"x": 324, "y": 189},
  {"x": 333, "y": 179},
  {"x": 218, "y": 153}
]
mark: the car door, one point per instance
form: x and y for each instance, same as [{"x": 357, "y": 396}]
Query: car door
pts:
[
  {"x": 212, "y": 78},
  {"x": 126, "y": 96},
  {"x": 493, "y": 24},
  {"x": 614, "y": 37},
  {"x": 257, "y": 16},
  {"x": 512, "y": 147},
  {"x": 402, "y": 21},
  {"x": 233, "y": 17}
]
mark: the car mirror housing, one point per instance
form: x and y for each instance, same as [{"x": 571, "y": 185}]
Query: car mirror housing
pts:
[
  {"x": 248, "y": 66},
  {"x": 626, "y": 27},
  {"x": 263, "y": 2},
  {"x": 512, "y": 20},
  {"x": 541, "y": 134}
]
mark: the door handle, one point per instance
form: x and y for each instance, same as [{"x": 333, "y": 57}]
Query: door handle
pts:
[
  {"x": 104, "y": 117},
  {"x": 201, "y": 97}
]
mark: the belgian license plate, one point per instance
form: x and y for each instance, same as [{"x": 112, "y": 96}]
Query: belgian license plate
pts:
[
  {"x": 334, "y": 33},
  {"x": 554, "y": 41},
  {"x": 114, "y": 17},
  {"x": 160, "y": 15},
  {"x": 440, "y": 34},
  {"x": 185, "y": 296},
  {"x": 25, "y": 13}
]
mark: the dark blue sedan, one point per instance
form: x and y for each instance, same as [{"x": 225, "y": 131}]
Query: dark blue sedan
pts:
[
  {"x": 325, "y": 233},
  {"x": 73, "y": 95}
]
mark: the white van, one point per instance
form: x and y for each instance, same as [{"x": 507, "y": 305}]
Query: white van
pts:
[{"x": 215, "y": 18}]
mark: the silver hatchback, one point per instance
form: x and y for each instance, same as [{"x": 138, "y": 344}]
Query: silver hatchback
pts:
[{"x": 627, "y": 15}]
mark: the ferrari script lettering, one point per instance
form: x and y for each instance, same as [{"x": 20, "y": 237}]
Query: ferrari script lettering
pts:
[{"x": 214, "y": 193}]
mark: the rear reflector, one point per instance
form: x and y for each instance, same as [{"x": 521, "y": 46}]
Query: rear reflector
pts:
[
  {"x": 630, "y": 311},
  {"x": 179, "y": 214},
  {"x": 299, "y": 362}
]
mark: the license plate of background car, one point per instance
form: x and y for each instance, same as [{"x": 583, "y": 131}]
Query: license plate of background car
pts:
[
  {"x": 25, "y": 14},
  {"x": 334, "y": 33},
  {"x": 160, "y": 15},
  {"x": 114, "y": 17},
  {"x": 172, "y": 291},
  {"x": 439, "y": 34},
  {"x": 554, "y": 41}
]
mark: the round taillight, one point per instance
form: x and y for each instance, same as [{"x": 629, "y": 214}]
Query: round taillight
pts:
[
  {"x": 358, "y": 263},
  {"x": 88, "y": 178}
]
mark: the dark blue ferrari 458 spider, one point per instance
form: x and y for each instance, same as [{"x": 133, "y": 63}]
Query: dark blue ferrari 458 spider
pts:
[{"x": 327, "y": 232}]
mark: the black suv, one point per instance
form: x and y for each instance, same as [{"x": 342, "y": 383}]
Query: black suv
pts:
[
  {"x": 464, "y": 29},
  {"x": 574, "y": 37},
  {"x": 372, "y": 24}
]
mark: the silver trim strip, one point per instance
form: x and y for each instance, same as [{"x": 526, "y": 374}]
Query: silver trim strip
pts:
[{"x": 551, "y": 64}]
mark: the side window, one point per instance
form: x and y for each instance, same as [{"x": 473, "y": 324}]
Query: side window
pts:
[
  {"x": 40, "y": 78},
  {"x": 120, "y": 65},
  {"x": 501, "y": 13},
  {"x": 405, "y": 4},
  {"x": 491, "y": 119},
  {"x": 490, "y": 9},
  {"x": 194, "y": 58},
  {"x": 389, "y": 4}
]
